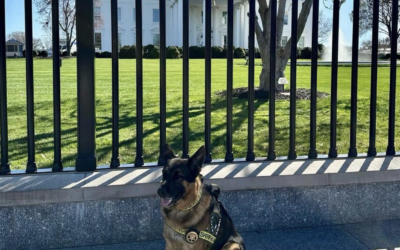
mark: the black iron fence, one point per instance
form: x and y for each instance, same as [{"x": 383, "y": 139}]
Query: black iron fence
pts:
[{"x": 86, "y": 159}]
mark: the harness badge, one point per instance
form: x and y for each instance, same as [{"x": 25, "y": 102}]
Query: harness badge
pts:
[{"x": 192, "y": 237}]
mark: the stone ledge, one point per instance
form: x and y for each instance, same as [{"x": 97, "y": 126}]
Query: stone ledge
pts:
[{"x": 129, "y": 182}]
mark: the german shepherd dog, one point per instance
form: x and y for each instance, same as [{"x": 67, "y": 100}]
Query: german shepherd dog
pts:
[{"x": 194, "y": 219}]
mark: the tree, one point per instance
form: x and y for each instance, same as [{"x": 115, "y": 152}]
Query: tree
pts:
[
  {"x": 383, "y": 44},
  {"x": 385, "y": 17},
  {"x": 263, "y": 32},
  {"x": 324, "y": 27},
  {"x": 67, "y": 20},
  {"x": 20, "y": 36}
]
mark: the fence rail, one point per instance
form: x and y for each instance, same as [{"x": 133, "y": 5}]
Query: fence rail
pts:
[{"x": 86, "y": 159}]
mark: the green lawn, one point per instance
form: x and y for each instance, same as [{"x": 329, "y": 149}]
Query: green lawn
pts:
[{"x": 44, "y": 111}]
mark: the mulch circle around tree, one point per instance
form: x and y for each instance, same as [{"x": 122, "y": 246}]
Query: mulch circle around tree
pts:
[{"x": 301, "y": 94}]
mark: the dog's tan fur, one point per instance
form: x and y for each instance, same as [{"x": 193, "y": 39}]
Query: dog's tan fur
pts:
[
  {"x": 197, "y": 216},
  {"x": 182, "y": 179}
]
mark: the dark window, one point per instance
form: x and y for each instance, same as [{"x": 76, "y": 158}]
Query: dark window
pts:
[
  {"x": 97, "y": 40},
  {"x": 156, "y": 15},
  {"x": 11, "y": 48}
]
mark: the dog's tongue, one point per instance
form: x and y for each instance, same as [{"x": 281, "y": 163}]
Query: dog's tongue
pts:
[{"x": 165, "y": 202}]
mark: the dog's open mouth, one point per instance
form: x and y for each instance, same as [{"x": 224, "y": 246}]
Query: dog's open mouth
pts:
[{"x": 166, "y": 202}]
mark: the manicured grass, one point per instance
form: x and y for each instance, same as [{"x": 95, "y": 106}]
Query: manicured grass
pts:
[{"x": 44, "y": 111}]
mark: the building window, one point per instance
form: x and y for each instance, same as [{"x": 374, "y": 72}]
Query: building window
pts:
[
  {"x": 284, "y": 40},
  {"x": 286, "y": 20},
  {"x": 156, "y": 39},
  {"x": 97, "y": 13},
  {"x": 134, "y": 15},
  {"x": 119, "y": 15},
  {"x": 201, "y": 16},
  {"x": 224, "y": 17},
  {"x": 97, "y": 40},
  {"x": 119, "y": 40},
  {"x": 12, "y": 48},
  {"x": 301, "y": 42},
  {"x": 225, "y": 41},
  {"x": 156, "y": 15}
]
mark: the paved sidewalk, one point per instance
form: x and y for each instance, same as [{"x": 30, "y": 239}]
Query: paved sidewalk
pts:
[{"x": 377, "y": 235}]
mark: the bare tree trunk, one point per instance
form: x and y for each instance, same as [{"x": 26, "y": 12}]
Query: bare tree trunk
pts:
[
  {"x": 281, "y": 61},
  {"x": 264, "y": 40}
]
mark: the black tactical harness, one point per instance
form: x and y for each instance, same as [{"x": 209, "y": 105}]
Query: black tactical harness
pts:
[{"x": 192, "y": 235}]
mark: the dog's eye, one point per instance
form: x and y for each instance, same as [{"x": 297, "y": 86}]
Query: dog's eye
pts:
[{"x": 178, "y": 176}]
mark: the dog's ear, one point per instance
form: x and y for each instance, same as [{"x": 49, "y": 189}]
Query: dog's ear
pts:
[
  {"x": 167, "y": 153},
  {"x": 196, "y": 161}
]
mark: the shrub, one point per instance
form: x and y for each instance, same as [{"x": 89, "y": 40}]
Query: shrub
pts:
[
  {"x": 196, "y": 52},
  {"x": 106, "y": 54},
  {"x": 239, "y": 53},
  {"x": 298, "y": 56},
  {"x": 127, "y": 52},
  {"x": 35, "y": 53},
  {"x": 306, "y": 53},
  {"x": 387, "y": 56},
  {"x": 257, "y": 53},
  {"x": 154, "y": 54},
  {"x": 381, "y": 56},
  {"x": 64, "y": 53},
  {"x": 74, "y": 53},
  {"x": 173, "y": 52},
  {"x": 180, "y": 50},
  {"x": 147, "y": 50},
  {"x": 43, "y": 53},
  {"x": 217, "y": 52},
  {"x": 97, "y": 54}
]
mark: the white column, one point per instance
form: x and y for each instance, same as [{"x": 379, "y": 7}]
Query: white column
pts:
[
  {"x": 258, "y": 18},
  {"x": 236, "y": 26},
  {"x": 215, "y": 21},
  {"x": 180, "y": 22},
  {"x": 174, "y": 25},
  {"x": 242, "y": 23},
  {"x": 246, "y": 25},
  {"x": 204, "y": 23},
  {"x": 192, "y": 28}
]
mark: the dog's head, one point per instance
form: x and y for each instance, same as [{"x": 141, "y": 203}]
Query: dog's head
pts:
[{"x": 178, "y": 174}]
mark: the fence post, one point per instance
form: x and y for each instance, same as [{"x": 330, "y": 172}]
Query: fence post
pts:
[
  {"x": 86, "y": 159},
  {"x": 5, "y": 165}
]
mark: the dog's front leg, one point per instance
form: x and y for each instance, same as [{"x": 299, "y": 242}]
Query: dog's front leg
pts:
[
  {"x": 170, "y": 245},
  {"x": 232, "y": 246}
]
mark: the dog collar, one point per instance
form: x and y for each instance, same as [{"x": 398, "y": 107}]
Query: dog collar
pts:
[{"x": 196, "y": 201}]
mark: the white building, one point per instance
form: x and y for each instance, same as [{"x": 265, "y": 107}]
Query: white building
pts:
[{"x": 151, "y": 18}]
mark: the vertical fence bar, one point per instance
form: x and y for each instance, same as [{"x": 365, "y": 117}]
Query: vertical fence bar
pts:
[
  {"x": 55, "y": 17},
  {"x": 293, "y": 73},
  {"x": 185, "y": 146},
  {"x": 86, "y": 159},
  {"x": 31, "y": 166},
  {"x": 5, "y": 165},
  {"x": 115, "y": 162},
  {"x": 354, "y": 80},
  {"x": 229, "y": 85},
  {"x": 393, "y": 68},
  {"x": 334, "y": 79},
  {"x": 312, "y": 153},
  {"x": 139, "y": 85},
  {"x": 207, "y": 130},
  {"x": 374, "y": 80},
  {"x": 272, "y": 79},
  {"x": 250, "y": 127},
  {"x": 163, "y": 82}
]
